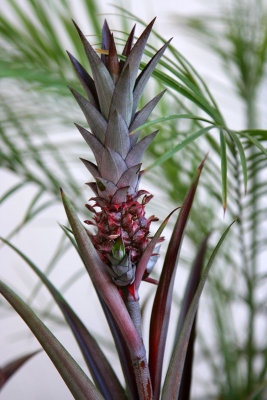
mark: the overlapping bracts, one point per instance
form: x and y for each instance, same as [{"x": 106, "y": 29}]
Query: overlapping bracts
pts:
[{"x": 113, "y": 93}]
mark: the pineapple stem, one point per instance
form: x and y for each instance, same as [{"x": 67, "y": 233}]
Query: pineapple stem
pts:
[{"x": 133, "y": 308}]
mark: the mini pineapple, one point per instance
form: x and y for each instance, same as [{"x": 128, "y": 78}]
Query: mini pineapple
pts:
[{"x": 114, "y": 91}]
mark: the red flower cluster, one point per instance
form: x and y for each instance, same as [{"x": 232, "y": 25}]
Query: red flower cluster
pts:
[{"x": 126, "y": 221}]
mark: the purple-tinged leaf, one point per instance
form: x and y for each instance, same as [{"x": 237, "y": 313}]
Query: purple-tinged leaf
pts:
[
  {"x": 142, "y": 265},
  {"x": 123, "y": 352},
  {"x": 103, "y": 81},
  {"x": 190, "y": 290},
  {"x": 92, "y": 168},
  {"x": 153, "y": 259},
  {"x": 112, "y": 165},
  {"x": 122, "y": 99},
  {"x": 141, "y": 117},
  {"x": 93, "y": 187},
  {"x": 110, "y": 294},
  {"x": 105, "y": 41},
  {"x": 112, "y": 63},
  {"x": 95, "y": 145},
  {"x": 77, "y": 381},
  {"x": 105, "y": 188},
  {"x": 162, "y": 303},
  {"x": 192, "y": 285},
  {"x": 130, "y": 177},
  {"x": 184, "y": 393},
  {"x": 8, "y": 370},
  {"x": 94, "y": 118},
  {"x": 121, "y": 195},
  {"x": 101, "y": 371},
  {"x": 135, "y": 155},
  {"x": 172, "y": 384},
  {"x": 136, "y": 53},
  {"x": 86, "y": 81},
  {"x": 145, "y": 75},
  {"x": 128, "y": 46},
  {"x": 117, "y": 134}
]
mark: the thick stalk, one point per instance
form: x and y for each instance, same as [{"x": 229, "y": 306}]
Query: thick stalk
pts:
[
  {"x": 133, "y": 308},
  {"x": 140, "y": 367}
]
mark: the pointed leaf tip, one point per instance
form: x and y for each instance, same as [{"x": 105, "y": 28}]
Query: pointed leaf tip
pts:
[
  {"x": 13, "y": 366},
  {"x": 77, "y": 28},
  {"x": 202, "y": 163},
  {"x": 172, "y": 382},
  {"x": 149, "y": 250}
]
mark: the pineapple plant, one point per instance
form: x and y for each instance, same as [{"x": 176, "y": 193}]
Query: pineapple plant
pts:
[
  {"x": 121, "y": 252},
  {"x": 113, "y": 94}
]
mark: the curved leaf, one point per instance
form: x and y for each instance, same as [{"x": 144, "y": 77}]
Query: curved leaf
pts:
[
  {"x": 190, "y": 290},
  {"x": 9, "y": 369},
  {"x": 172, "y": 382},
  {"x": 162, "y": 303},
  {"x": 140, "y": 270},
  {"x": 101, "y": 371},
  {"x": 78, "y": 383}
]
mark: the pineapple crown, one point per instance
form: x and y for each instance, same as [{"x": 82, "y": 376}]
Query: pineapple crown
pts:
[{"x": 113, "y": 95}]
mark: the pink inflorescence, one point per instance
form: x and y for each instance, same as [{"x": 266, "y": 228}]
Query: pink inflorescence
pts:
[{"x": 126, "y": 221}]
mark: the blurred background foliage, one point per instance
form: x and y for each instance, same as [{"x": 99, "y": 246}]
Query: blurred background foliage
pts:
[{"x": 40, "y": 148}]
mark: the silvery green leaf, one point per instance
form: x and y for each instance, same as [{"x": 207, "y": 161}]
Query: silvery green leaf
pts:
[
  {"x": 112, "y": 165},
  {"x": 122, "y": 99},
  {"x": 142, "y": 115},
  {"x": 94, "y": 144},
  {"x": 92, "y": 168},
  {"x": 117, "y": 134},
  {"x": 95, "y": 120},
  {"x": 123, "y": 273},
  {"x": 145, "y": 75},
  {"x": 120, "y": 196},
  {"x": 105, "y": 188},
  {"x": 130, "y": 177},
  {"x": 103, "y": 81},
  {"x": 86, "y": 81},
  {"x": 135, "y": 155},
  {"x": 136, "y": 53}
]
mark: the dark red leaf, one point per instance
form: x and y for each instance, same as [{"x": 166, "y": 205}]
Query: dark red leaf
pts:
[
  {"x": 174, "y": 374},
  {"x": 190, "y": 290},
  {"x": 141, "y": 267},
  {"x": 163, "y": 298},
  {"x": 9, "y": 369},
  {"x": 123, "y": 351}
]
